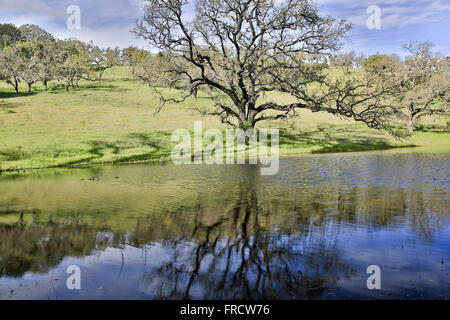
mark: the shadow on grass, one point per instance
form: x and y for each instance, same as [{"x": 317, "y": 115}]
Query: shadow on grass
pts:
[
  {"x": 60, "y": 88},
  {"x": 12, "y": 154},
  {"x": 7, "y": 107},
  {"x": 102, "y": 87},
  {"x": 433, "y": 129},
  {"x": 99, "y": 148},
  {"x": 12, "y": 94},
  {"x": 325, "y": 140},
  {"x": 136, "y": 147},
  {"x": 150, "y": 139}
]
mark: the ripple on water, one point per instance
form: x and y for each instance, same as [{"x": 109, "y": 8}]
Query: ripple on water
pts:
[{"x": 315, "y": 227}]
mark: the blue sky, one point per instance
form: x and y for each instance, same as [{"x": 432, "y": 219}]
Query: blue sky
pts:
[
  {"x": 401, "y": 21},
  {"x": 108, "y": 22}
]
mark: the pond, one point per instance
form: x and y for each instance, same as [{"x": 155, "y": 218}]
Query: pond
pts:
[{"x": 146, "y": 231}]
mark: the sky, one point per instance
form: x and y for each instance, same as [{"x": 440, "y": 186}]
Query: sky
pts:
[{"x": 108, "y": 22}]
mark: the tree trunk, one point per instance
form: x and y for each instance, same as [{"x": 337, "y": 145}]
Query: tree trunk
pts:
[
  {"x": 100, "y": 75},
  {"x": 29, "y": 87},
  {"x": 411, "y": 125},
  {"x": 16, "y": 86},
  {"x": 45, "y": 84},
  {"x": 411, "y": 119}
]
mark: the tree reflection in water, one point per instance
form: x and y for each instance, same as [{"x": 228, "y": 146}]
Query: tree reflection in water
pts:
[
  {"x": 252, "y": 248},
  {"x": 242, "y": 254}
]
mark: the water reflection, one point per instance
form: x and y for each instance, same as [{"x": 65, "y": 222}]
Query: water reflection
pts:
[
  {"x": 40, "y": 247},
  {"x": 242, "y": 253},
  {"x": 160, "y": 233}
]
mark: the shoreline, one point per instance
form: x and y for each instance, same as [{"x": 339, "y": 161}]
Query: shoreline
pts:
[{"x": 284, "y": 153}]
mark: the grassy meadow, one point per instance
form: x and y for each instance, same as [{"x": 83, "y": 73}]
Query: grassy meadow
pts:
[{"x": 115, "y": 121}]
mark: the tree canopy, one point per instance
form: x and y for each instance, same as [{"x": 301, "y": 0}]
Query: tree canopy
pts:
[
  {"x": 30, "y": 54},
  {"x": 32, "y": 32},
  {"x": 9, "y": 34},
  {"x": 246, "y": 49}
]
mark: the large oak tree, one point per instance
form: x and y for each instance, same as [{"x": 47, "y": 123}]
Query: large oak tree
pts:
[{"x": 245, "y": 49}]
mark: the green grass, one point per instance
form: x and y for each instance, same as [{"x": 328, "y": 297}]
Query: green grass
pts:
[{"x": 115, "y": 121}]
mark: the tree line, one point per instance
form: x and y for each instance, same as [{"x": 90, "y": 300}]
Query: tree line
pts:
[{"x": 30, "y": 54}]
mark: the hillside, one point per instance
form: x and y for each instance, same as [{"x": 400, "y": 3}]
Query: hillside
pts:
[{"x": 115, "y": 121}]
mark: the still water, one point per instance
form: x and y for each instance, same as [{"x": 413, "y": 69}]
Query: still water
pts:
[{"x": 226, "y": 232}]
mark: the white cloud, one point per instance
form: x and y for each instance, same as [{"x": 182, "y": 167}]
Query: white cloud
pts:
[
  {"x": 109, "y": 36},
  {"x": 108, "y": 22},
  {"x": 394, "y": 13}
]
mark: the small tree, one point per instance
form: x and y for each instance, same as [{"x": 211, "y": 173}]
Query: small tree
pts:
[
  {"x": 31, "y": 70},
  {"x": 11, "y": 66},
  {"x": 358, "y": 60},
  {"x": 73, "y": 61},
  {"x": 347, "y": 60},
  {"x": 422, "y": 81},
  {"x": 153, "y": 70},
  {"x": 104, "y": 59},
  {"x": 47, "y": 55},
  {"x": 133, "y": 56},
  {"x": 375, "y": 60},
  {"x": 85, "y": 62}
]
